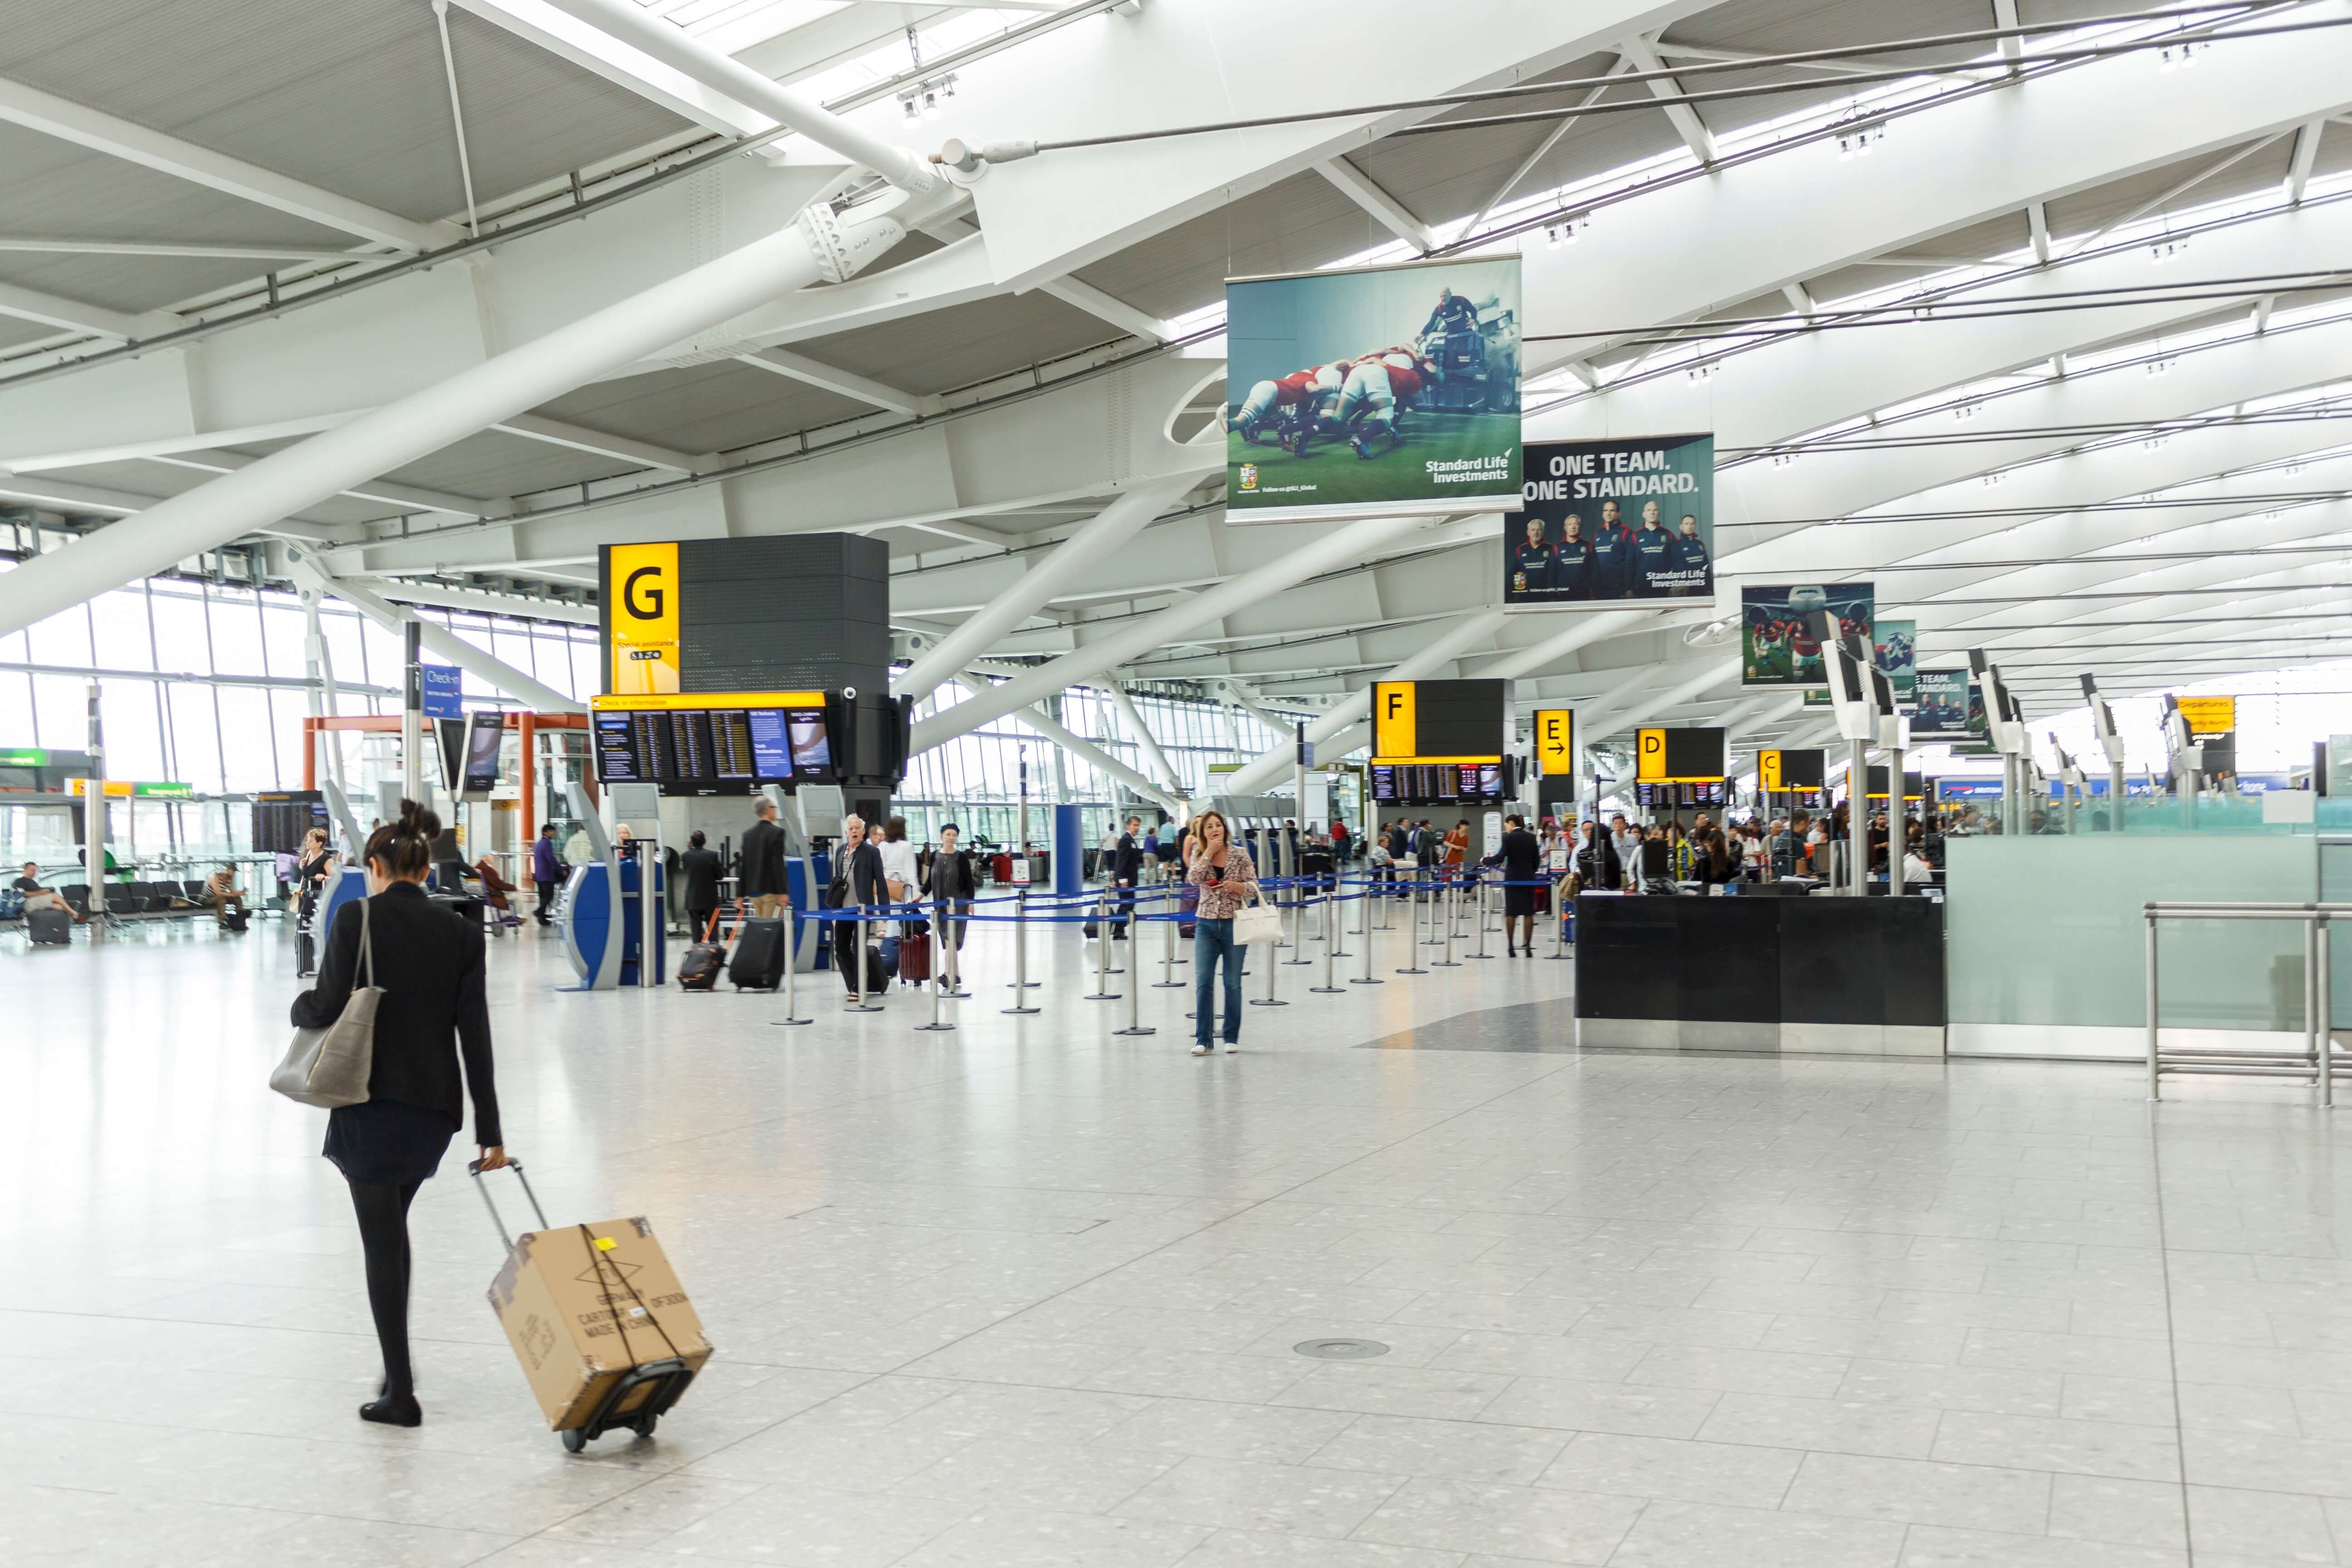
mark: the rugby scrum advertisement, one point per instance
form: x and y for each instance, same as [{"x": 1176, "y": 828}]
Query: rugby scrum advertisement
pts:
[
  {"x": 1777, "y": 642},
  {"x": 1894, "y": 648},
  {"x": 1378, "y": 390},
  {"x": 1606, "y": 521}
]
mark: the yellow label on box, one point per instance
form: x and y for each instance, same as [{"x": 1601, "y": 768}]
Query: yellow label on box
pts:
[{"x": 605, "y": 1244}]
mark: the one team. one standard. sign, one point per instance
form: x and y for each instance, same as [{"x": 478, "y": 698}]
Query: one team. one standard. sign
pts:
[
  {"x": 1605, "y": 521},
  {"x": 1376, "y": 389}
]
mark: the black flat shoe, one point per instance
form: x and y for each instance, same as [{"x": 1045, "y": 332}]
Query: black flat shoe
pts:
[{"x": 389, "y": 1411}]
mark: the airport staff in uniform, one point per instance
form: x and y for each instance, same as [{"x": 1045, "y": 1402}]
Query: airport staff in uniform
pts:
[
  {"x": 1125, "y": 871},
  {"x": 1653, "y": 556},
  {"x": 1521, "y": 859},
  {"x": 763, "y": 863},
  {"x": 1613, "y": 556},
  {"x": 1531, "y": 561}
]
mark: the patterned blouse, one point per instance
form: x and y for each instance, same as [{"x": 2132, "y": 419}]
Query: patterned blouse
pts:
[{"x": 1225, "y": 891}]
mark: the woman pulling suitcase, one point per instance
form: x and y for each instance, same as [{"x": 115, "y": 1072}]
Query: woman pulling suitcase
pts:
[{"x": 428, "y": 964}]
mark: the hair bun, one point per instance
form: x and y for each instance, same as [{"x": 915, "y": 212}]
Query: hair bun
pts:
[{"x": 417, "y": 822}]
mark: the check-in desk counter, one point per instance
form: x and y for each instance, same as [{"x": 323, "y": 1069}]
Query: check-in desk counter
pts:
[{"x": 1840, "y": 976}]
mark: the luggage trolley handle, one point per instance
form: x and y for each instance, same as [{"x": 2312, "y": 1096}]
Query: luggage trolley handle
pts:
[{"x": 474, "y": 1167}]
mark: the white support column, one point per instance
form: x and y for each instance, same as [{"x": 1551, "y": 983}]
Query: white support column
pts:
[
  {"x": 1111, "y": 528},
  {"x": 845, "y": 383},
  {"x": 668, "y": 42},
  {"x": 284, "y": 483},
  {"x": 1077, "y": 745},
  {"x": 1392, "y": 214},
  {"x": 1351, "y": 544},
  {"x": 442, "y": 642},
  {"x": 1642, "y": 50},
  {"x": 2306, "y": 148},
  {"x": 1465, "y": 633},
  {"x": 1145, "y": 741}
]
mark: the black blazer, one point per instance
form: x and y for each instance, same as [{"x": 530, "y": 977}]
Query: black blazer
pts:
[
  {"x": 764, "y": 861},
  {"x": 1127, "y": 860},
  {"x": 949, "y": 876},
  {"x": 429, "y": 963},
  {"x": 700, "y": 869}
]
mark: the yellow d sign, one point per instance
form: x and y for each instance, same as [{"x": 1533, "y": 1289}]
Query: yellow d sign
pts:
[{"x": 645, "y": 619}]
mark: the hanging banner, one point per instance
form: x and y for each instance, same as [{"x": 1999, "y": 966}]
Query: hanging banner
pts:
[
  {"x": 1606, "y": 521},
  {"x": 1555, "y": 743},
  {"x": 445, "y": 690},
  {"x": 1777, "y": 645},
  {"x": 1378, "y": 390},
  {"x": 1943, "y": 711},
  {"x": 1895, "y": 649}
]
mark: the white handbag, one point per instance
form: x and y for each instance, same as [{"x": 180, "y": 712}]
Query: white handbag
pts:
[
  {"x": 1258, "y": 923},
  {"x": 330, "y": 1067}
]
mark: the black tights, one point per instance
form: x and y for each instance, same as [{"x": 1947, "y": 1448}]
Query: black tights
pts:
[{"x": 382, "y": 1210}]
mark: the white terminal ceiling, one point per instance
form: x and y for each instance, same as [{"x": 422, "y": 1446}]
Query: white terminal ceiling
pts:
[{"x": 2122, "y": 466}]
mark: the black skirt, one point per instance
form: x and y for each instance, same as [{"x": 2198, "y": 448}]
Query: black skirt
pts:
[
  {"x": 1518, "y": 903},
  {"x": 387, "y": 1141}
]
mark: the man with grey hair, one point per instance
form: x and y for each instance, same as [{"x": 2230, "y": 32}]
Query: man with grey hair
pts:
[{"x": 857, "y": 883}]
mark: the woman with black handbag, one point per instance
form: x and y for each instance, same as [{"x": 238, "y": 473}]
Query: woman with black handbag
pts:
[{"x": 432, "y": 1013}]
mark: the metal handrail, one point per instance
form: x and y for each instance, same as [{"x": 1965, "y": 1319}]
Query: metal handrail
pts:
[{"x": 2317, "y": 1060}]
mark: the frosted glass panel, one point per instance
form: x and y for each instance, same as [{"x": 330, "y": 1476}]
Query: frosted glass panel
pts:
[{"x": 2049, "y": 933}]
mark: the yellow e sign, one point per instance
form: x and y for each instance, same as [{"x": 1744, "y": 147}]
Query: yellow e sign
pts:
[
  {"x": 1555, "y": 743},
  {"x": 1393, "y": 722},
  {"x": 643, "y": 579}
]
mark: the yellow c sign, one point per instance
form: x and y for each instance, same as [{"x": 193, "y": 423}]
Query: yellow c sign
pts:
[
  {"x": 645, "y": 619},
  {"x": 1767, "y": 771}
]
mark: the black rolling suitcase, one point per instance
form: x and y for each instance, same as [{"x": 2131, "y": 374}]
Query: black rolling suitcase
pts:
[
  {"x": 759, "y": 962},
  {"x": 704, "y": 962},
  {"x": 49, "y": 927}
]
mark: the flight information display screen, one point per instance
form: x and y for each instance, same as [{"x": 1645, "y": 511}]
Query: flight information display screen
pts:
[
  {"x": 1437, "y": 784},
  {"x": 1713, "y": 792},
  {"x": 703, "y": 746}
]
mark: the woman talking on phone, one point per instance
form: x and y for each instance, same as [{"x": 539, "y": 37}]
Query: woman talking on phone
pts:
[
  {"x": 1220, "y": 869},
  {"x": 428, "y": 963}
]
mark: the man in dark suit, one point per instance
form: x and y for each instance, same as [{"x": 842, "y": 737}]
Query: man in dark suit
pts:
[
  {"x": 1125, "y": 871},
  {"x": 699, "y": 867},
  {"x": 763, "y": 863},
  {"x": 859, "y": 882}
]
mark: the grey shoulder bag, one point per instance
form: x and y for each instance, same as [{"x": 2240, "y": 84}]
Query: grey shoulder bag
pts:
[{"x": 330, "y": 1067}]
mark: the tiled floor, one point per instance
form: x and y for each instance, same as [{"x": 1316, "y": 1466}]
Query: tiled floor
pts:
[{"x": 1026, "y": 1293}]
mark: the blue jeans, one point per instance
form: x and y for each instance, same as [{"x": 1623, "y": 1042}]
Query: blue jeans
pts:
[{"x": 1211, "y": 938}]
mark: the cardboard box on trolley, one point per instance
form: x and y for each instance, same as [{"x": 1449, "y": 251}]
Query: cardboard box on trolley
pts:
[{"x": 604, "y": 1332}]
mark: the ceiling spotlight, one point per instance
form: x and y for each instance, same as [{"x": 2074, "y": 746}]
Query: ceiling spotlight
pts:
[
  {"x": 2159, "y": 366},
  {"x": 2179, "y": 56},
  {"x": 2164, "y": 250},
  {"x": 1784, "y": 459},
  {"x": 1700, "y": 373},
  {"x": 1564, "y": 230},
  {"x": 911, "y": 101},
  {"x": 1990, "y": 480},
  {"x": 1856, "y": 141},
  {"x": 930, "y": 103},
  {"x": 1966, "y": 410}
]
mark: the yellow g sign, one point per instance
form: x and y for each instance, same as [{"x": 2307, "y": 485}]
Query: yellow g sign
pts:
[{"x": 645, "y": 619}]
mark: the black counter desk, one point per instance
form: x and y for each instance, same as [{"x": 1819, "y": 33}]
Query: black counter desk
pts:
[{"x": 1853, "y": 976}]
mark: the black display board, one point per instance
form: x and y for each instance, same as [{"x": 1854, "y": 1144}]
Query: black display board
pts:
[
  {"x": 693, "y": 747},
  {"x": 282, "y": 818},
  {"x": 1438, "y": 784}
]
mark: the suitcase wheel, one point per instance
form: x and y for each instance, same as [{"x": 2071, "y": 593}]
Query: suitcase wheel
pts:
[
  {"x": 575, "y": 1438},
  {"x": 644, "y": 1427}
]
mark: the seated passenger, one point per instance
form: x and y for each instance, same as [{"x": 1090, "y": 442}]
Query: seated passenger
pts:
[{"x": 221, "y": 894}]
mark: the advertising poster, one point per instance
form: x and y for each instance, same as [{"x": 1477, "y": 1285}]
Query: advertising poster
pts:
[
  {"x": 1896, "y": 646},
  {"x": 1380, "y": 390},
  {"x": 1943, "y": 711},
  {"x": 1605, "y": 521},
  {"x": 1777, "y": 646}
]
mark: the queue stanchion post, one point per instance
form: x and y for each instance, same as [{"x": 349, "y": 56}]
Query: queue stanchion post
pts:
[
  {"x": 1135, "y": 1024},
  {"x": 1269, "y": 999},
  {"x": 1560, "y": 917},
  {"x": 1168, "y": 980},
  {"x": 1103, "y": 992},
  {"x": 1334, "y": 923},
  {"x": 1479, "y": 892},
  {"x": 1331, "y": 941},
  {"x": 1298, "y": 921},
  {"x": 932, "y": 939},
  {"x": 1412, "y": 933},
  {"x": 859, "y": 1002},
  {"x": 951, "y": 952},
  {"x": 1371, "y": 897},
  {"x": 791, "y": 964},
  {"x": 1021, "y": 981},
  {"x": 1452, "y": 907}
]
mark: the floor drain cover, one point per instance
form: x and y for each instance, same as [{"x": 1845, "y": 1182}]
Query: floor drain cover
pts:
[{"x": 1341, "y": 1350}]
